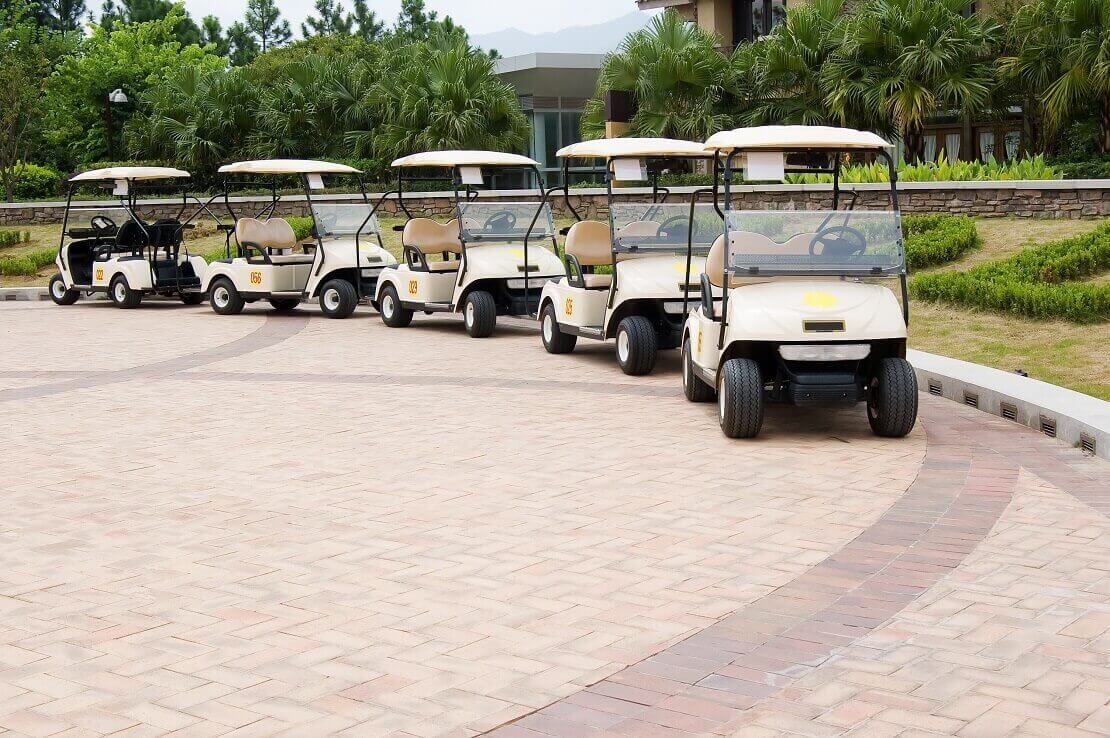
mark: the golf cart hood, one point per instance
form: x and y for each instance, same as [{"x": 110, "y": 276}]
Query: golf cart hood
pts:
[
  {"x": 506, "y": 261},
  {"x": 790, "y": 309},
  {"x": 659, "y": 275}
]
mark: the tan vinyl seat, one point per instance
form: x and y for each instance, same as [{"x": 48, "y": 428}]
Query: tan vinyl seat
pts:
[
  {"x": 429, "y": 237},
  {"x": 590, "y": 242},
  {"x": 273, "y": 233},
  {"x": 597, "y": 281},
  {"x": 795, "y": 246}
]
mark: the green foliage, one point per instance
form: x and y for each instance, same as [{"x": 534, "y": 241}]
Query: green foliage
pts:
[
  {"x": 1037, "y": 282},
  {"x": 185, "y": 28},
  {"x": 33, "y": 182},
  {"x": 26, "y": 265},
  {"x": 265, "y": 23},
  {"x": 302, "y": 226},
  {"x": 944, "y": 170},
  {"x": 937, "y": 238},
  {"x": 13, "y": 238},
  {"x": 1094, "y": 168}
]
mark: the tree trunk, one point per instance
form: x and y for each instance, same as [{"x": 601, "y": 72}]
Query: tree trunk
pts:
[
  {"x": 914, "y": 143},
  {"x": 1104, "y": 125}
]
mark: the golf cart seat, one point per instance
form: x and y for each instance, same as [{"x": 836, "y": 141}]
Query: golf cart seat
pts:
[
  {"x": 423, "y": 237},
  {"x": 757, "y": 243},
  {"x": 273, "y": 236},
  {"x": 639, "y": 229},
  {"x": 589, "y": 245}
]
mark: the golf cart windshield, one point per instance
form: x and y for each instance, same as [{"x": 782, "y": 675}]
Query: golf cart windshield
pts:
[
  {"x": 664, "y": 227},
  {"x": 506, "y": 221},
  {"x": 95, "y": 222},
  {"x": 834, "y": 242},
  {"x": 345, "y": 219}
]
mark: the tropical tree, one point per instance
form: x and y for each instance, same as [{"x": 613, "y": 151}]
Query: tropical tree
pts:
[
  {"x": 141, "y": 11},
  {"x": 265, "y": 23},
  {"x": 440, "y": 94},
  {"x": 56, "y": 15},
  {"x": 677, "y": 76},
  {"x": 329, "y": 21},
  {"x": 367, "y": 26},
  {"x": 212, "y": 34},
  {"x": 900, "y": 61},
  {"x": 242, "y": 47}
]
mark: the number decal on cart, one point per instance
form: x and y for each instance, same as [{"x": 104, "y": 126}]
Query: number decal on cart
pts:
[
  {"x": 256, "y": 277},
  {"x": 100, "y": 274},
  {"x": 414, "y": 286},
  {"x": 568, "y": 307},
  {"x": 699, "y": 341}
]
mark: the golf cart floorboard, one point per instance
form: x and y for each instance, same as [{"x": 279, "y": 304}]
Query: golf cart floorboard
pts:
[{"x": 583, "y": 331}]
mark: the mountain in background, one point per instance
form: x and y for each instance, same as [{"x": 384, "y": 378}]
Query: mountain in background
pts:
[{"x": 597, "y": 39}]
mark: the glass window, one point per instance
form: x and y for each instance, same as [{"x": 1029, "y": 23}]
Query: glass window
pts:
[
  {"x": 1012, "y": 142},
  {"x": 930, "y": 148},
  {"x": 986, "y": 145},
  {"x": 952, "y": 146}
]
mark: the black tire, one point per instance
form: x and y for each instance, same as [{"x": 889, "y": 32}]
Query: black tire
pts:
[
  {"x": 284, "y": 304},
  {"x": 122, "y": 295},
  {"x": 192, "y": 298},
  {"x": 224, "y": 298},
  {"x": 480, "y": 314},
  {"x": 554, "y": 340},
  {"x": 740, "y": 398},
  {"x": 59, "y": 294},
  {"x": 637, "y": 345},
  {"x": 892, "y": 406},
  {"x": 695, "y": 389},
  {"x": 393, "y": 313},
  {"x": 338, "y": 298}
]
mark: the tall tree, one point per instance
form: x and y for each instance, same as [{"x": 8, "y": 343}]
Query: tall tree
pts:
[
  {"x": 212, "y": 33},
  {"x": 264, "y": 21},
  {"x": 366, "y": 23},
  {"x": 330, "y": 20},
  {"x": 142, "y": 11},
  {"x": 242, "y": 46}
]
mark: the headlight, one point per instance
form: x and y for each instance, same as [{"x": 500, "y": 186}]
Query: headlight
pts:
[
  {"x": 533, "y": 282},
  {"x": 825, "y": 352}
]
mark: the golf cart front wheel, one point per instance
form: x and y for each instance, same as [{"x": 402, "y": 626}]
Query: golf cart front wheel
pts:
[
  {"x": 693, "y": 387},
  {"x": 394, "y": 314},
  {"x": 740, "y": 398},
  {"x": 338, "y": 298},
  {"x": 224, "y": 298},
  {"x": 284, "y": 304},
  {"x": 59, "y": 294},
  {"x": 637, "y": 345},
  {"x": 892, "y": 405},
  {"x": 192, "y": 298},
  {"x": 554, "y": 340},
  {"x": 480, "y": 314},
  {"x": 122, "y": 294}
]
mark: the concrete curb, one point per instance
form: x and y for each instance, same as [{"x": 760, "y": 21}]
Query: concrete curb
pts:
[
  {"x": 30, "y": 294},
  {"x": 1072, "y": 417}
]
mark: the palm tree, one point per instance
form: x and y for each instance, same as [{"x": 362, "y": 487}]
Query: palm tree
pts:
[
  {"x": 1032, "y": 42},
  {"x": 1085, "y": 66},
  {"x": 677, "y": 76},
  {"x": 902, "y": 61}
]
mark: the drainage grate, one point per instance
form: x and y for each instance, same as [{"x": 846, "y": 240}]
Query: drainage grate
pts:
[
  {"x": 971, "y": 399},
  {"x": 1048, "y": 426},
  {"x": 934, "y": 387},
  {"x": 1087, "y": 443},
  {"x": 1009, "y": 411}
]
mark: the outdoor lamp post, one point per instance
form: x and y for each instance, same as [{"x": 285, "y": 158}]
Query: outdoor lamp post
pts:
[{"x": 115, "y": 97}]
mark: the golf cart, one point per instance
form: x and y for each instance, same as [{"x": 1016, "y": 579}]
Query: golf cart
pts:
[
  {"x": 486, "y": 262},
  {"x": 113, "y": 250},
  {"x": 648, "y": 250},
  {"x": 339, "y": 265},
  {"x": 807, "y": 318}
]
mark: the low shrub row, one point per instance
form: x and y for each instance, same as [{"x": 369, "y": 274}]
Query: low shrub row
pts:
[
  {"x": 13, "y": 238},
  {"x": 1038, "y": 282},
  {"x": 938, "y": 239},
  {"x": 26, "y": 265},
  {"x": 943, "y": 170}
]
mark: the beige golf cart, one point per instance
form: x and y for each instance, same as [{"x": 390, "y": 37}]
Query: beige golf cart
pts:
[
  {"x": 114, "y": 250},
  {"x": 339, "y": 264},
  {"x": 627, "y": 279},
  {"x": 487, "y": 261},
  {"x": 807, "y": 317}
]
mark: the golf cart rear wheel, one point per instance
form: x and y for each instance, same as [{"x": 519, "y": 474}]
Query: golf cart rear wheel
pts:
[
  {"x": 122, "y": 294},
  {"x": 554, "y": 340},
  {"x": 637, "y": 345},
  {"x": 892, "y": 406},
  {"x": 338, "y": 298},
  {"x": 692, "y": 385},
  {"x": 740, "y": 398},
  {"x": 393, "y": 313},
  {"x": 192, "y": 298},
  {"x": 480, "y": 314},
  {"x": 59, "y": 294},
  {"x": 284, "y": 304},
  {"x": 224, "y": 298}
]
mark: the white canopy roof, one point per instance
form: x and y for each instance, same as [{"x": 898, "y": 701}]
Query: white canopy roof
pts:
[
  {"x": 794, "y": 137},
  {"x": 110, "y": 174},
  {"x": 287, "y": 166},
  {"x": 464, "y": 159},
  {"x": 612, "y": 148}
]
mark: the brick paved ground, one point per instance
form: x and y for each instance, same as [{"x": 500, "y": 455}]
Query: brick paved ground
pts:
[{"x": 271, "y": 525}]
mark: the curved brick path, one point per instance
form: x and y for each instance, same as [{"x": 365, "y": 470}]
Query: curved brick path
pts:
[{"x": 265, "y": 524}]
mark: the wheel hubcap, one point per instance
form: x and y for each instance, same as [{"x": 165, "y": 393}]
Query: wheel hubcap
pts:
[
  {"x": 387, "y": 306},
  {"x": 470, "y": 314},
  {"x": 547, "y": 328},
  {"x": 121, "y": 292},
  {"x": 722, "y": 401},
  {"x": 331, "y": 299},
  {"x": 59, "y": 289},
  {"x": 622, "y": 346},
  {"x": 221, "y": 297},
  {"x": 685, "y": 368}
]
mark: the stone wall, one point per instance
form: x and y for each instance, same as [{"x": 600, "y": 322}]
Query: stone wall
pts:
[{"x": 1072, "y": 199}]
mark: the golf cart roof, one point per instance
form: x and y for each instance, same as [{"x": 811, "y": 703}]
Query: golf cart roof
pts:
[
  {"x": 613, "y": 148},
  {"x": 111, "y": 174},
  {"x": 778, "y": 138},
  {"x": 287, "y": 166},
  {"x": 465, "y": 159}
]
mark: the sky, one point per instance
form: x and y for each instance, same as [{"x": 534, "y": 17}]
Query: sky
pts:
[{"x": 477, "y": 16}]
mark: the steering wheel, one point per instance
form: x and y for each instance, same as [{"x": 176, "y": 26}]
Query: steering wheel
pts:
[
  {"x": 838, "y": 241},
  {"x": 676, "y": 229},
  {"x": 102, "y": 225},
  {"x": 500, "y": 222}
]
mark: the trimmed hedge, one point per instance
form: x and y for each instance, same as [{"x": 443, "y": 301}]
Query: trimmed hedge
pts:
[
  {"x": 33, "y": 182},
  {"x": 1038, "y": 282},
  {"x": 938, "y": 239},
  {"x": 26, "y": 265},
  {"x": 13, "y": 238}
]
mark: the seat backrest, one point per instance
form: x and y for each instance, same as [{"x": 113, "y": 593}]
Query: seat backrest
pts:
[
  {"x": 714, "y": 263},
  {"x": 273, "y": 233},
  {"x": 639, "y": 229},
  {"x": 429, "y": 237},
  {"x": 590, "y": 242}
]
